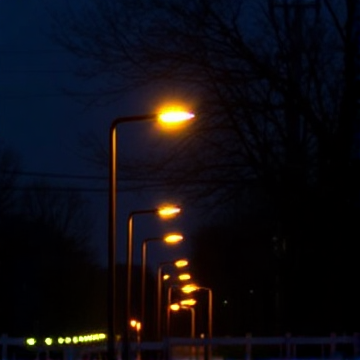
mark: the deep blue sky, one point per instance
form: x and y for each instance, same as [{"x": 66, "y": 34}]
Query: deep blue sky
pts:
[{"x": 43, "y": 125}]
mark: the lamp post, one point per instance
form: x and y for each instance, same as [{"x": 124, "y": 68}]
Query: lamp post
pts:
[
  {"x": 167, "y": 118},
  {"x": 178, "y": 264},
  {"x": 177, "y": 307},
  {"x": 163, "y": 212},
  {"x": 169, "y": 301},
  {"x": 192, "y": 287},
  {"x": 186, "y": 305},
  {"x": 168, "y": 239}
]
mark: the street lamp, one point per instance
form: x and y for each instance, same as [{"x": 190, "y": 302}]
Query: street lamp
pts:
[
  {"x": 186, "y": 305},
  {"x": 179, "y": 264},
  {"x": 177, "y": 307},
  {"x": 168, "y": 239},
  {"x": 136, "y": 325},
  {"x": 166, "y": 118},
  {"x": 193, "y": 287},
  {"x": 169, "y": 302},
  {"x": 165, "y": 212}
]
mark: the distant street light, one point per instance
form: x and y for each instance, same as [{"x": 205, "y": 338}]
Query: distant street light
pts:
[
  {"x": 193, "y": 287},
  {"x": 184, "y": 277},
  {"x": 185, "y": 302},
  {"x": 168, "y": 239},
  {"x": 169, "y": 118},
  {"x": 166, "y": 212},
  {"x": 179, "y": 263},
  {"x": 177, "y": 307}
]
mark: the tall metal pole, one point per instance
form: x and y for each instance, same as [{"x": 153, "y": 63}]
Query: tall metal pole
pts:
[
  {"x": 129, "y": 259},
  {"x": 210, "y": 321},
  {"x": 112, "y": 246},
  {"x": 192, "y": 332},
  {"x": 158, "y": 302},
  {"x": 168, "y": 303},
  {"x": 159, "y": 297},
  {"x": 143, "y": 278},
  {"x": 112, "y": 236}
]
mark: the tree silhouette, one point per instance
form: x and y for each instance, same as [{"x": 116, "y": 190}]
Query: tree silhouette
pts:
[
  {"x": 50, "y": 280},
  {"x": 272, "y": 83}
]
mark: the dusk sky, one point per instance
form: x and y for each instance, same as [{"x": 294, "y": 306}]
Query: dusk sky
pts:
[{"x": 43, "y": 125}]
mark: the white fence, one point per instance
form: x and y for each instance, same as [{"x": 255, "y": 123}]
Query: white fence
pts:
[{"x": 283, "y": 347}]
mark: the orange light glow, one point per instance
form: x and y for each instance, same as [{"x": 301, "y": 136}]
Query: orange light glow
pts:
[
  {"x": 175, "y": 307},
  {"x": 173, "y": 238},
  {"x": 189, "y": 288},
  {"x": 168, "y": 211},
  {"x": 188, "y": 302},
  {"x": 181, "y": 263},
  {"x": 133, "y": 323},
  {"x": 175, "y": 116},
  {"x": 184, "y": 277},
  {"x": 166, "y": 277}
]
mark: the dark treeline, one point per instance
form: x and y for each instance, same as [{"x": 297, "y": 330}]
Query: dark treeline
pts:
[
  {"x": 51, "y": 282},
  {"x": 273, "y": 153}
]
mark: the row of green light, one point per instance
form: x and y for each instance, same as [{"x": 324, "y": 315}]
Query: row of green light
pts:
[{"x": 67, "y": 340}]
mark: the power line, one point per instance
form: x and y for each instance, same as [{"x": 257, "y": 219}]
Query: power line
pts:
[
  {"x": 55, "y": 175},
  {"x": 33, "y": 51},
  {"x": 35, "y": 71},
  {"x": 60, "y": 189}
]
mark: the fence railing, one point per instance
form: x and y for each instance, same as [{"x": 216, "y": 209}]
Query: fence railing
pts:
[{"x": 281, "y": 347}]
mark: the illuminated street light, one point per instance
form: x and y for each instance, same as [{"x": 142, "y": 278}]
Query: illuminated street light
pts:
[
  {"x": 188, "y": 302},
  {"x": 178, "y": 307},
  {"x": 179, "y": 264},
  {"x": 168, "y": 239},
  {"x": 181, "y": 277},
  {"x": 184, "y": 305},
  {"x": 168, "y": 120},
  {"x": 184, "y": 277},
  {"x": 189, "y": 288},
  {"x": 165, "y": 213},
  {"x": 168, "y": 211},
  {"x": 137, "y": 326}
]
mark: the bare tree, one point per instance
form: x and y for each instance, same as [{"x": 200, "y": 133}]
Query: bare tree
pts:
[
  {"x": 271, "y": 82},
  {"x": 65, "y": 211},
  {"x": 48, "y": 267},
  {"x": 265, "y": 77}
]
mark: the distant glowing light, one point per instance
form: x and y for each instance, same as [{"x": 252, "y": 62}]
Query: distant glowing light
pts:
[
  {"x": 184, "y": 277},
  {"x": 175, "y": 307},
  {"x": 69, "y": 340},
  {"x": 175, "y": 116},
  {"x": 169, "y": 211},
  {"x": 188, "y": 302},
  {"x": 133, "y": 323},
  {"x": 48, "y": 341},
  {"x": 181, "y": 263},
  {"x": 30, "y": 341},
  {"x": 189, "y": 288},
  {"x": 173, "y": 238}
]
